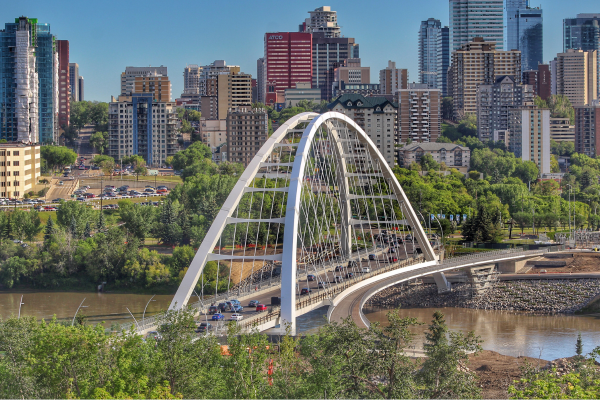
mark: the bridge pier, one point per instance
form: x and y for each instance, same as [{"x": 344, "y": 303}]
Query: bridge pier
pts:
[{"x": 442, "y": 283}]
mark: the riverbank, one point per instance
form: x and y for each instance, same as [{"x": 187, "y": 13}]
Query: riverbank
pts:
[{"x": 537, "y": 297}]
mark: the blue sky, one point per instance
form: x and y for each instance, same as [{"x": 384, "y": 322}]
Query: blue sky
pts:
[{"x": 106, "y": 36}]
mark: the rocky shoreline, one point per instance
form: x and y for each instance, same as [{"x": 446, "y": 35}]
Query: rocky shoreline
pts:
[{"x": 537, "y": 297}]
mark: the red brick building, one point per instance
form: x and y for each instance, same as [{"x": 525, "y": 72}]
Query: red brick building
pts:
[
  {"x": 288, "y": 58},
  {"x": 64, "y": 88}
]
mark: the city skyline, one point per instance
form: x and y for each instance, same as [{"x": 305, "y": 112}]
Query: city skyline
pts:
[{"x": 101, "y": 45}]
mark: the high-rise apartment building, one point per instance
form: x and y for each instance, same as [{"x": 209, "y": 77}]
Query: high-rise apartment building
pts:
[
  {"x": 377, "y": 116},
  {"x": 191, "y": 79},
  {"x": 476, "y": 18},
  {"x": 583, "y": 32},
  {"x": 443, "y": 51},
  {"x": 128, "y": 77},
  {"x": 561, "y": 130},
  {"x": 213, "y": 70},
  {"x": 494, "y": 103},
  {"x": 19, "y": 168},
  {"x": 159, "y": 86},
  {"x": 587, "y": 129},
  {"x": 140, "y": 125},
  {"x": 322, "y": 20},
  {"x": 529, "y": 129},
  {"x": 350, "y": 71},
  {"x": 29, "y": 94},
  {"x": 80, "y": 88},
  {"x": 229, "y": 90},
  {"x": 64, "y": 90},
  {"x": 434, "y": 53},
  {"x": 247, "y": 131},
  {"x": 540, "y": 80},
  {"x": 577, "y": 76},
  {"x": 74, "y": 81},
  {"x": 524, "y": 32},
  {"x": 419, "y": 113},
  {"x": 392, "y": 79},
  {"x": 479, "y": 63},
  {"x": 288, "y": 59}
]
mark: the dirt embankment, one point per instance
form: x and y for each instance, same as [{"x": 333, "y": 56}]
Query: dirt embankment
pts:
[{"x": 565, "y": 263}]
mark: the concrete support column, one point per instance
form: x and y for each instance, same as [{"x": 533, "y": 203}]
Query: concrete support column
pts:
[{"x": 442, "y": 283}]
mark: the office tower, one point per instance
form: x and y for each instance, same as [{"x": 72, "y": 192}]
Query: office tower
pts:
[
  {"x": 433, "y": 42},
  {"x": 141, "y": 125},
  {"x": 128, "y": 77},
  {"x": 261, "y": 70},
  {"x": 479, "y": 63},
  {"x": 587, "y": 129},
  {"x": 80, "y": 88},
  {"x": 419, "y": 113},
  {"x": 494, "y": 103},
  {"x": 583, "y": 33},
  {"x": 328, "y": 53},
  {"x": 288, "y": 59},
  {"x": 64, "y": 91},
  {"x": 443, "y": 51},
  {"x": 475, "y": 18},
  {"x": 350, "y": 71},
  {"x": 74, "y": 81},
  {"x": 377, "y": 116},
  {"x": 191, "y": 79},
  {"x": 254, "y": 91},
  {"x": 553, "y": 78},
  {"x": 576, "y": 76},
  {"x": 561, "y": 130},
  {"x": 19, "y": 168},
  {"x": 392, "y": 79},
  {"x": 322, "y": 20},
  {"x": 247, "y": 131},
  {"x": 524, "y": 32},
  {"x": 540, "y": 80},
  {"x": 529, "y": 129},
  {"x": 29, "y": 94}
]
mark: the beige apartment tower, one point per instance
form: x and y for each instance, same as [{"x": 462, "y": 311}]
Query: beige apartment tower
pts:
[
  {"x": 419, "y": 113},
  {"x": 577, "y": 76},
  {"x": 247, "y": 131},
  {"x": 19, "y": 169},
  {"x": 392, "y": 79},
  {"x": 478, "y": 63},
  {"x": 159, "y": 86}
]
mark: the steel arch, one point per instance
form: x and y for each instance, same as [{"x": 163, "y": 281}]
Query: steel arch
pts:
[{"x": 290, "y": 236}]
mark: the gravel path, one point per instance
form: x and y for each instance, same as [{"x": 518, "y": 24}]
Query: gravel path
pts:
[{"x": 539, "y": 297}]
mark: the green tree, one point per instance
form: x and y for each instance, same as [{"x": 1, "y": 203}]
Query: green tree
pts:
[
  {"x": 197, "y": 151},
  {"x": 428, "y": 163},
  {"x": 49, "y": 229},
  {"x": 468, "y": 125},
  {"x": 169, "y": 231},
  {"x": 527, "y": 171},
  {"x": 138, "y": 219},
  {"x": 448, "y": 108},
  {"x": 58, "y": 156},
  {"x": 484, "y": 227},
  {"x": 579, "y": 345},
  {"x": 99, "y": 140},
  {"x": 12, "y": 270}
]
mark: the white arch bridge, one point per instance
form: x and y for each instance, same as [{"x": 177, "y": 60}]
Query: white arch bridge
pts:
[{"x": 315, "y": 216}]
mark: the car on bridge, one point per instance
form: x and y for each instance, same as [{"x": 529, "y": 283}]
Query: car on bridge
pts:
[
  {"x": 391, "y": 250},
  {"x": 223, "y": 307},
  {"x": 213, "y": 310},
  {"x": 253, "y": 303},
  {"x": 218, "y": 317},
  {"x": 204, "y": 327},
  {"x": 350, "y": 275},
  {"x": 352, "y": 264},
  {"x": 305, "y": 291},
  {"x": 237, "y": 308},
  {"x": 234, "y": 301},
  {"x": 366, "y": 270},
  {"x": 323, "y": 285},
  {"x": 261, "y": 307},
  {"x": 311, "y": 278},
  {"x": 339, "y": 268},
  {"x": 339, "y": 279},
  {"x": 372, "y": 257},
  {"x": 393, "y": 259},
  {"x": 236, "y": 317}
]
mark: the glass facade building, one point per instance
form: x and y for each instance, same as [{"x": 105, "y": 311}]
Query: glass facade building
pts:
[
  {"x": 434, "y": 54},
  {"x": 444, "y": 60},
  {"x": 42, "y": 82},
  {"x": 476, "y": 18},
  {"x": 524, "y": 32},
  {"x": 583, "y": 33}
]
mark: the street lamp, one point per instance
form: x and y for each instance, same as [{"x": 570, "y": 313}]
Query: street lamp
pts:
[
  {"x": 80, "y": 306},
  {"x": 20, "y": 304},
  {"x": 570, "y": 187},
  {"x": 146, "y": 307},
  {"x": 441, "y": 229}
]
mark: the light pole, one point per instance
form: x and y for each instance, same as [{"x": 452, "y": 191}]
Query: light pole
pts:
[
  {"x": 569, "y": 207},
  {"x": 20, "y": 304},
  {"x": 80, "y": 306},
  {"x": 441, "y": 229},
  {"x": 144, "y": 314}
]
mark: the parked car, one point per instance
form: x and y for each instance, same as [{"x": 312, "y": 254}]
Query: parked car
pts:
[
  {"x": 218, "y": 317},
  {"x": 311, "y": 278},
  {"x": 305, "y": 291},
  {"x": 261, "y": 307},
  {"x": 236, "y": 317},
  {"x": 89, "y": 195},
  {"x": 61, "y": 183},
  {"x": 213, "y": 310},
  {"x": 253, "y": 303},
  {"x": 81, "y": 199},
  {"x": 50, "y": 209},
  {"x": 162, "y": 191},
  {"x": 204, "y": 327},
  {"x": 57, "y": 200}
]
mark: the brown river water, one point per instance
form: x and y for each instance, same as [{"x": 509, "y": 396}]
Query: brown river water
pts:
[{"x": 514, "y": 334}]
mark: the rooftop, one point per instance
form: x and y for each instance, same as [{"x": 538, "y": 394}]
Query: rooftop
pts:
[
  {"x": 431, "y": 146},
  {"x": 353, "y": 100}
]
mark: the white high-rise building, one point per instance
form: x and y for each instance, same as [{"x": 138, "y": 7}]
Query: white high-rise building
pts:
[
  {"x": 476, "y": 18},
  {"x": 434, "y": 54},
  {"x": 322, "y": 20},
  {"x": 191, "y": 79}
]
